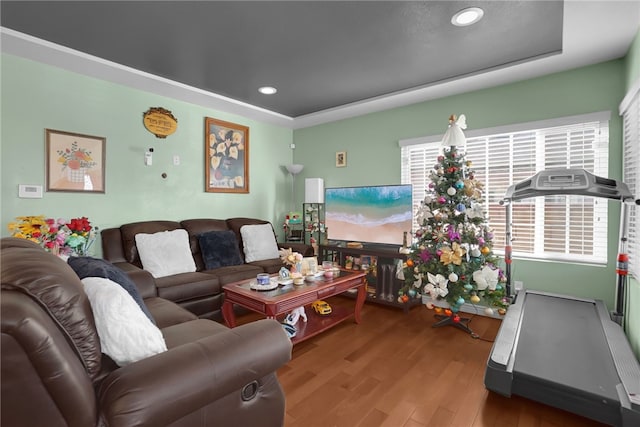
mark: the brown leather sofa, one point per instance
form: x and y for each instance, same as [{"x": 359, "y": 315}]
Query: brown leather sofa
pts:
[
  {"x": 53, "y": 372},
  {"x": 199, "y": 292}
]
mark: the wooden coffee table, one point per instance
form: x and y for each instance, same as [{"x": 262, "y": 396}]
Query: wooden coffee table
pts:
[{"x": 286, "y": 298}]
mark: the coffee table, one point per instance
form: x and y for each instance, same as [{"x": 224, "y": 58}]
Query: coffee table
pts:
[{"x": 286, "y": 298}]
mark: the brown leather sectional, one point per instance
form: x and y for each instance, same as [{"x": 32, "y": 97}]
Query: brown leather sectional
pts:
[
  {"x": 199, "y": 292},
  {"x": 54, "y": 374}
]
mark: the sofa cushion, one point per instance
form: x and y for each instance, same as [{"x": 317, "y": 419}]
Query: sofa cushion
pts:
[
  {"x": 126, "y": 333},
  {"x": 96, "y": 267},
  {"x": 129, "y": 231},
  {"x": 165, "y": 253},
  {"x": 187, "y": 286},
  {"x": 259, "y": 242},
  {"x": 168, "y": 313},
  {"x": 196, "y": 227},
  {"x": 48, "y": 280},
  {"x": 219, "y": 249}
]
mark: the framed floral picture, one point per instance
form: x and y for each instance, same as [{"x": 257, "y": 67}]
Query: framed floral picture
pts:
[
  {"x": 75, "y": 162},
  {"x": 341, "y": 159},
  {"x": 226, "y": 157}
]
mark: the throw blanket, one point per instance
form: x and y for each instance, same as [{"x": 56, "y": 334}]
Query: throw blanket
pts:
[{"x": 96, "y": 267}]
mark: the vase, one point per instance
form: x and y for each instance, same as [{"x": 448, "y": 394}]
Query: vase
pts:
[{"x": 76, "y": 175}]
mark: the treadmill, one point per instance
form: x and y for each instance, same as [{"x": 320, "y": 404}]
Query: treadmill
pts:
[{"x": 563, "y": 351}]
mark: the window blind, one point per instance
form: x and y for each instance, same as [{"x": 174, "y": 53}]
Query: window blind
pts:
[
  {"x": 567, "y": 228},
  {"x": 630, "y": 111}
]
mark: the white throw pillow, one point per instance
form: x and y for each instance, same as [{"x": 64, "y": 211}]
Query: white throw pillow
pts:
[
  {"x": 126, "y": 333},
  {"x": 259, "y": 242},
  {"x": 165, "y": 253}
]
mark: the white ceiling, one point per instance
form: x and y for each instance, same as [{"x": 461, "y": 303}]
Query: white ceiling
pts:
[{"x": 592, "y": 32}]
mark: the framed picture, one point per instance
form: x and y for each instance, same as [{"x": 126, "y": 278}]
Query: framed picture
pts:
[
  {"x": 341, "y": 159},
  {"x": 309, "y": 265},
  {"x": 75, "y": 162},
  {"x": 226, "y": 157}
]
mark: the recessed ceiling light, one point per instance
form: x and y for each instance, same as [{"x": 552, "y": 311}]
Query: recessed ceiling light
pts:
[
  {"x": 267, "y": 90},
  {"x": 467, "y": 16}
]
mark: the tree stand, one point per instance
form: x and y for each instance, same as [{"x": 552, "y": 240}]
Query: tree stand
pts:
[{"x": 456, "y": 321}]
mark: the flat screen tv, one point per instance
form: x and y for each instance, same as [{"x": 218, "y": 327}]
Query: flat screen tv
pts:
[{"x": 373, "y": 214}]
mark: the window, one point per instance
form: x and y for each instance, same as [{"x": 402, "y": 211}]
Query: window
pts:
[
  {"x": 566, "y": 228},
  {"x": 630, "y": 111}
]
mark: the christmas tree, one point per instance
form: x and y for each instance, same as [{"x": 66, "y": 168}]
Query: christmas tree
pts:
[{"x": 451, "y": 258}]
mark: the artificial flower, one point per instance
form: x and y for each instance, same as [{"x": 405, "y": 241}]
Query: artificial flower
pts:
[
  {"x": 437, "y": 286},
  {"x": 288, "y": 257},
  {"x": 487, "y": 278},
  {"x": 73, "y": 237},
  {"x": 452, "y": 254}
]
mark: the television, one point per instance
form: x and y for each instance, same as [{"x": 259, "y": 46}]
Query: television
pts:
[{"x": 371, "y": 214}]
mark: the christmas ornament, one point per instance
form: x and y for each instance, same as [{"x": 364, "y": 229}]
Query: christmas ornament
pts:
[
  {"x": 453, "y": 277},
  {"x": 461, "y": 207},
  {"x": 429, "y": 305},
  {"x": 485, "y": 250},
  {"x": 460, "y": 301},
  {"x": 488, "y": 311},
  {"x": 474, "y": 299},
  {"x": 451, "y": 191}
]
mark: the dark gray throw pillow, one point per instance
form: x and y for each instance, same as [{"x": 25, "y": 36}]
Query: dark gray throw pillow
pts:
[
  {"x": 219, "y": 249},
  {"x": 97, "y": 267}
]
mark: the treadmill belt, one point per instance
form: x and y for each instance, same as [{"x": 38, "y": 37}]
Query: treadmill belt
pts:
[{"x": 562, "y": 342}]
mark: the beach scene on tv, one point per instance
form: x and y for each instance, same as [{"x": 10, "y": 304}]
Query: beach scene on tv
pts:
[{"x": 373, "y": 214}]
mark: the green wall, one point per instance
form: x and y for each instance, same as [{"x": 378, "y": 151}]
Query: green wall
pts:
[
  {"x": 373, "y": 154},
  {"x": 633, "y": 62},
  {"x": 37, "y": 96}
]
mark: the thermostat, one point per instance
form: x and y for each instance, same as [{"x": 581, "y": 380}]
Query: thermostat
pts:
[{"x": 27, "y": 191}]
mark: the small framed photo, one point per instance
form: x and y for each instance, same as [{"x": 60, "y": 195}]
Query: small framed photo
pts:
[
  {"x": 75, "y": 162},
  {"x": 309, "y": 265},
  {"x": 341, "y": 159},
  {"x": 226, "y": 157}
]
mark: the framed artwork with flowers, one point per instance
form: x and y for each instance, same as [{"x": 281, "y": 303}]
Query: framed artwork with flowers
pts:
[
  {"x": 75, "y": 162},
  {"x": 226, "y": 157}
]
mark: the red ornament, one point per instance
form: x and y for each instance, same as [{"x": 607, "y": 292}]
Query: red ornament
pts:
[
  {"x": 456, "y": 319},
  {"x": 404, "y": 298}
]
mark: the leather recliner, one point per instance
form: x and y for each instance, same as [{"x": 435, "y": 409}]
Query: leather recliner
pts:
[{"x": 54, "y": 374}]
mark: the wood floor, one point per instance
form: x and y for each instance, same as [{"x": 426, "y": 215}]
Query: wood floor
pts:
[{"x": 395, "y": 370}]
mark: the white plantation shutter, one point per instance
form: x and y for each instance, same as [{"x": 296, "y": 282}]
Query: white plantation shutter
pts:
[
  {"x": 630, "y": 111},
  {"x": 568, "y": 228}
]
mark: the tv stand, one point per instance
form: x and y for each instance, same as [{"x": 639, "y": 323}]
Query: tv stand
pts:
[{"x": 382, "y": 284}]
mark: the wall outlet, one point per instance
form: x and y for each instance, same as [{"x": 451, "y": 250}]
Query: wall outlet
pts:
[
  {"x": 518, "y": 285},
  {"x": 176, "y": 160}
]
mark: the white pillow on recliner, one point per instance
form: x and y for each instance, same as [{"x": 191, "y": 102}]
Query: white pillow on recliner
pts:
[
  {"x": 126, "y": 333},
  {"x": 165, "y": 253},
  {"x": 259, "y": 242}
]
